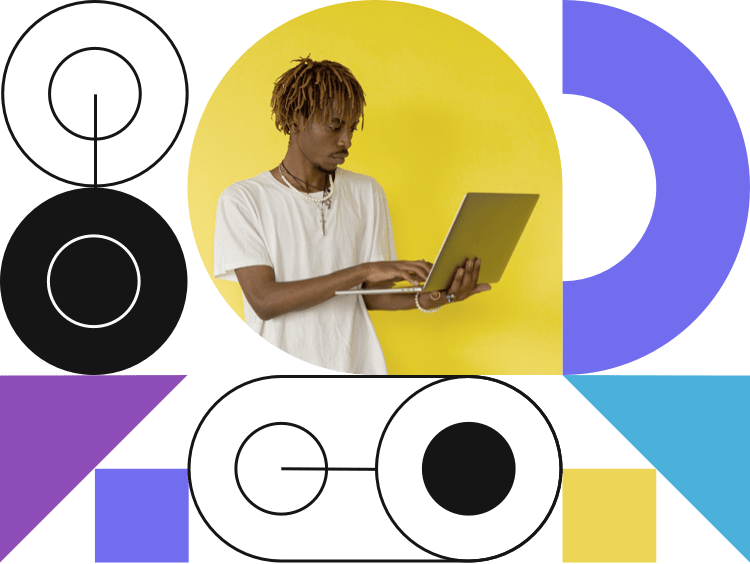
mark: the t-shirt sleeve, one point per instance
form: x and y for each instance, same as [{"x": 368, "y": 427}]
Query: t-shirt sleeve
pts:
[
  {"x": 384, "y": 247},
  {"x": 238, "y": 239}
]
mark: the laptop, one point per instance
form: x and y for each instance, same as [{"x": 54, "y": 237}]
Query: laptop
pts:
[{"x": 487, "y": 226}]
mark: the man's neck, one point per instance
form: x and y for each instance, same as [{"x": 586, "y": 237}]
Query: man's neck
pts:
[{"x": 303, "y": 169}]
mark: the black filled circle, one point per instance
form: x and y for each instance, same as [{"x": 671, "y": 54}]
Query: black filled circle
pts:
[
  {"x": 532, "y": 534},
  {"x": 27, "y": 303},
  {"x": 52, "y": 105},
  {"x": 83, "y": 184},
  {"x": 268, "y": 511},
  {"x": 468, "y": 468}
]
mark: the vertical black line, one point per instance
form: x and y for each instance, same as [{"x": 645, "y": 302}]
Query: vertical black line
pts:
[{"x": 95, "y": 135}]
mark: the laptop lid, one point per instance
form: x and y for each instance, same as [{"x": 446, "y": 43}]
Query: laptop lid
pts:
[{"x": 487, "y": 226}]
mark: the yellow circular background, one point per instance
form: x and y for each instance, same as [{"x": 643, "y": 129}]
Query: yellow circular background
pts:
[{"x": 448, "y": 112}]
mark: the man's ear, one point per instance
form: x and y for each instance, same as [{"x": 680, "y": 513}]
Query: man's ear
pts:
[{"x": 293, "y": 128}]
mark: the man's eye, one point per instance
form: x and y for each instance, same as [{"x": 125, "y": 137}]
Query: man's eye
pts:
[{"x": 334, "y": 128}]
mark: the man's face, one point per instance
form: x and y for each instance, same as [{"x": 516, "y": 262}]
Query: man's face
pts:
[{"x": 326, "y": 145}]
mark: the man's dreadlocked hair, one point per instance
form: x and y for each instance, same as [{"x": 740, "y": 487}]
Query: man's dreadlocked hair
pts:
[{"x": 314, "y": 87}]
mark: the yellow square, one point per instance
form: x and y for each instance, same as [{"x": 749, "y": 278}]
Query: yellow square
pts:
[{"x": 609, "y": 515}]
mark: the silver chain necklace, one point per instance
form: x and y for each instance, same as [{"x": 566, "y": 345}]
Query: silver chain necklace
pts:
[{"x": 321, "y": 203}]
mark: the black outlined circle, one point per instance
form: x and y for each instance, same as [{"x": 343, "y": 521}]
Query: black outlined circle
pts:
[
  {"x": 52, "y": 105},
  {"x": 83, "y": 184},
  {"x": 237, "y": 475},
  {"x": 378, "y": 469},
  {"x": 155, "y": 314}
]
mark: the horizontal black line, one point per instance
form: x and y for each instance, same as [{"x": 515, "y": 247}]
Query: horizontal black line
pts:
[
  {"x": 364, "y": 560},
  {"x": 330, "y": 469}
]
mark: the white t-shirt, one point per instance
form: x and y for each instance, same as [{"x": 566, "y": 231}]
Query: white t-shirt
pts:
[{"x": 261, "y": 221}]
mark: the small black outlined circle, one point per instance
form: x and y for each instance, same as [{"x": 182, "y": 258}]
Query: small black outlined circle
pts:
[
  {"x": 268, "y": 511},
  {"x": 52, "y": 105},
  {"x": 468, "y": 468},
  {"x": 559, "y": 470},
  {"x": 73, "y": 182}
]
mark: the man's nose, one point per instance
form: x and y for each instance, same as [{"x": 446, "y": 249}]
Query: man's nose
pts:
[{"x": 345, "y": 139}]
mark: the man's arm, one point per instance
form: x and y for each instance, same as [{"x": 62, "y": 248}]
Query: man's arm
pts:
[
  {"x": 270, "y": 299},
  {"x": 395, "y": 302}
]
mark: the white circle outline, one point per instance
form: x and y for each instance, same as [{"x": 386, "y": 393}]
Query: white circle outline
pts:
[{"x": 137, "y": 273}]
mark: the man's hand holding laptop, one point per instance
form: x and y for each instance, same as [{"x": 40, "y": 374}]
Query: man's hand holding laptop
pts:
[
  {"x": 462, "y": 283},
  {"x": 461, "y": 286}
]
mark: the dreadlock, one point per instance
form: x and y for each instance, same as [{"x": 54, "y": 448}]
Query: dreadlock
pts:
[{"x": 313, "y": 87}]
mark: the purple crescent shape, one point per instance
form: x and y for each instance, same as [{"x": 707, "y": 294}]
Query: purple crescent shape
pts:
[{"x": 702, "y": 187}]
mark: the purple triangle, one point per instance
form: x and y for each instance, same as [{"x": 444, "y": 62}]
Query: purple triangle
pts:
[{"x": 54, "y": 430}]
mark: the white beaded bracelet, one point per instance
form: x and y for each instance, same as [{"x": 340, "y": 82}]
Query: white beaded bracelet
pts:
[{"x": 420, "y": 308}]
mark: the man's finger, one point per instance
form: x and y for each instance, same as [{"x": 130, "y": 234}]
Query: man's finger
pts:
[
  {"x": 405, "y": 272},
  {"x": 419, "y": 267},
  {"x": 481, "y": 288},
  {"x": 456, "y": 285},
  {"x": 427, "y": 266},
  {"x": 409, "y": 278},
  {"x": 468, "y": 277},
  {"x": 475, "y": 275}
]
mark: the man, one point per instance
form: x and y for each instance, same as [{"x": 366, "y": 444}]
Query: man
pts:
[{"x": 296, "y": 234}]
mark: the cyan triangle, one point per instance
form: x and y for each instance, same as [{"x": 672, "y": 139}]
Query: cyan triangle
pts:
[
  {"x": 54, "y": 430},
  {"x": 695, "y": 430},
  {"x": 684, "y": 535}
]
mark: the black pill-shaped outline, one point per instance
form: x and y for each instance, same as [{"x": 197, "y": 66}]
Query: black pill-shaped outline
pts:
[{"x": 436, "y": 558}]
